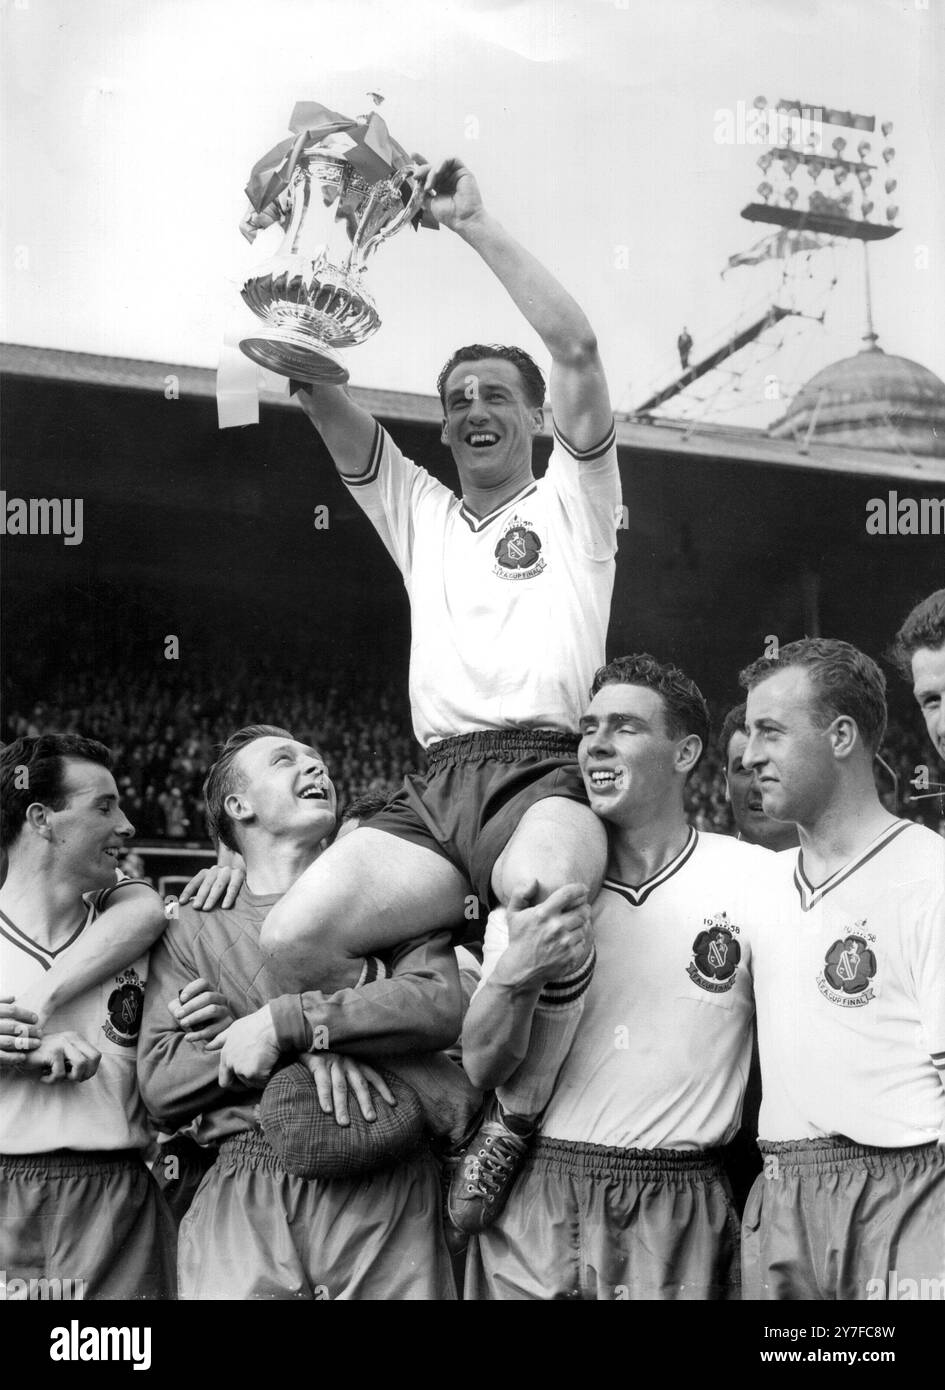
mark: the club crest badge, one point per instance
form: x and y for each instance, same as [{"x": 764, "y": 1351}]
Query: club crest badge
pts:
[
  {"x": 518, "y": 553},
  {"x": 715, "y": 955},
  {"x": 124, "y": 1009},
  {"x": 849, "y": 970}
]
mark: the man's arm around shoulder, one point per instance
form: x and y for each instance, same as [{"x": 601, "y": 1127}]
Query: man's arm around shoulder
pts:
[{"x": 128, "y": 925}]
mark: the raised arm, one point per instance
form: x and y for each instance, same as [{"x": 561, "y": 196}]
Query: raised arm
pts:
[
  {"x": 578, "y": 387},
  {"x": 130, "y": 922},
  {"x": 347, "y": 430}
]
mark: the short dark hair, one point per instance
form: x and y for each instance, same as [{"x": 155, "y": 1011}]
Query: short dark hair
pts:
[
  {"x": 528, "y": 370},
  {"x": 224, "y": 778},
  {"x": 39, "y": 764},
  {"x": 733, "y": 723},
  {"x": 686, "y": 711},
  {"x": 846, "y": 681},
  {"x": 924, "y": 627}
]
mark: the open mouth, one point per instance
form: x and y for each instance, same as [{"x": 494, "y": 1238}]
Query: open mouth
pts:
[
  {"x": 481, "y": 439},
  {"x": 313, "y": 794},
  {"x": 608, "y": 779},
  {"x": 113, "y": 852}
]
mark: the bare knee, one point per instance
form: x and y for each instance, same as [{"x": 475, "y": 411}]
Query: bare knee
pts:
[
  {"x": 557, "y": 841},
  {"x": 305, "y": 954}
]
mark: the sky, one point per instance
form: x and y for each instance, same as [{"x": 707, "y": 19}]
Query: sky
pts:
[{"x": 130, "y": 126}]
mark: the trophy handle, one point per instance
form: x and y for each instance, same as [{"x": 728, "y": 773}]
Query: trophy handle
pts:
[{"x": 407, "y": 213}]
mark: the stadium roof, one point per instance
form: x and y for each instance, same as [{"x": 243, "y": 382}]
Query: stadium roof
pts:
[{"x": 652, "y": 436}]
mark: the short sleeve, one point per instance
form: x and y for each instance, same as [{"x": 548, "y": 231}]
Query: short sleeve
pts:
[
  {"x": 928, "y": 950},
  {"x": 588, "y": 483},
  {"x": 391, "y": 492}
]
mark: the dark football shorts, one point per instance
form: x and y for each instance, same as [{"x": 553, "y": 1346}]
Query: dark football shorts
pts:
[
  {"x": 832, "y": 1220},
  {"x": 255, "y": 1231},
  {"x": 587, "y": 1222},
  {"x": 96, "y": 1218},
  {"x": 475, "y": 791}
]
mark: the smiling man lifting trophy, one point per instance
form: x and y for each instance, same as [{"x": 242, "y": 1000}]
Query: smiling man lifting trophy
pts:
[{"x": 339, "y": 188}]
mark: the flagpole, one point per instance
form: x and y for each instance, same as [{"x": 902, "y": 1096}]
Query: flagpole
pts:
[{"x": 870, "y": 336}]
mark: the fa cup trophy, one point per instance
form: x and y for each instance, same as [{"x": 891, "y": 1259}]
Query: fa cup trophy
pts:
[{"x": 341, "y": 190}]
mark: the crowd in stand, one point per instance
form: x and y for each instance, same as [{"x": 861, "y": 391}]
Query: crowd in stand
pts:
[
  {"x": 164, "y": 734},
  {"x": 164, "y": 739}
]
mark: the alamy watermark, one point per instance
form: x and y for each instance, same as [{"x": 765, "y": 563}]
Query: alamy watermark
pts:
[
  {"x": 769, "y": 125},
  {"x": 42, "y": 516},
  {"x": 39, "y": 1290},
  {"x": 894, "y": 1289},
  {"x": 78, "y": 1343},
  {"x": 893, "y": 515}
]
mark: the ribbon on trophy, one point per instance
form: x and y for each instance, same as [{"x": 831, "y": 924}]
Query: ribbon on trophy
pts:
[
  {"x": 365, "y": 143},
  {"x": 368, "y": 146}
]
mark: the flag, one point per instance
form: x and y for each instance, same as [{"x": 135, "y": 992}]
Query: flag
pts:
[{"x": 777, "y": 246}]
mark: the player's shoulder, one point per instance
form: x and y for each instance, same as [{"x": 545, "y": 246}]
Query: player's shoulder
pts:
[
  {"x": 601, "y": 450},
  {"x": 923, "y": 843},
  {"x": 187, "y": 924},
  {"x": 723, "y": 849},
  {"x": 98, "y": 900},
  {"x": 753, "y": 872},
  {"x": 919, "y": 855},
  {"x": 386, "y": 451}
]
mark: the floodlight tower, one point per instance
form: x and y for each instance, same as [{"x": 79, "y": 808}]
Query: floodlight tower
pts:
[{"x": 797, "y": 135}]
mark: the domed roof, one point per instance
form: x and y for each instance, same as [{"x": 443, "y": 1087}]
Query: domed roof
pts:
[{"x": 872, "y": 399}]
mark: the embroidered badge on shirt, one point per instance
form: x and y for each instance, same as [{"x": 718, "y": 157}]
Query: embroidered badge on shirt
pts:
[
  {"x": 125, "y": 1005},
  {"x": 715, "y": 955},
  {"x": 849, "y": 969},
  {"x": 518, "y": 553}
]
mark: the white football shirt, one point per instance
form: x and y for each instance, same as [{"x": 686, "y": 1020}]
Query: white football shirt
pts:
[
  {"x": 104, "y": 1112},
  {"x": 850, "y": 995},
  {"x": 509, "y": 612},
  {"x": 661, "y": 1054}
]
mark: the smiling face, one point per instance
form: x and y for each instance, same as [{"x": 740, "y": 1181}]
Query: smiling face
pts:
[
  {"x": 928, "y": 684},
  {"x": 488, "y": 422},
  {"x": 91, "y": 829},
  {"x": 788, "y": 748},
  {"x": 285, "y": 791},
  {"x": 630, "y": 762}
]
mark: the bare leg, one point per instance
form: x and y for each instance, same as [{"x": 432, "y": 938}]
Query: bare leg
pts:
[
  {"x": 557, "y": 841},
  {"x": 367, "y": 893}
]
